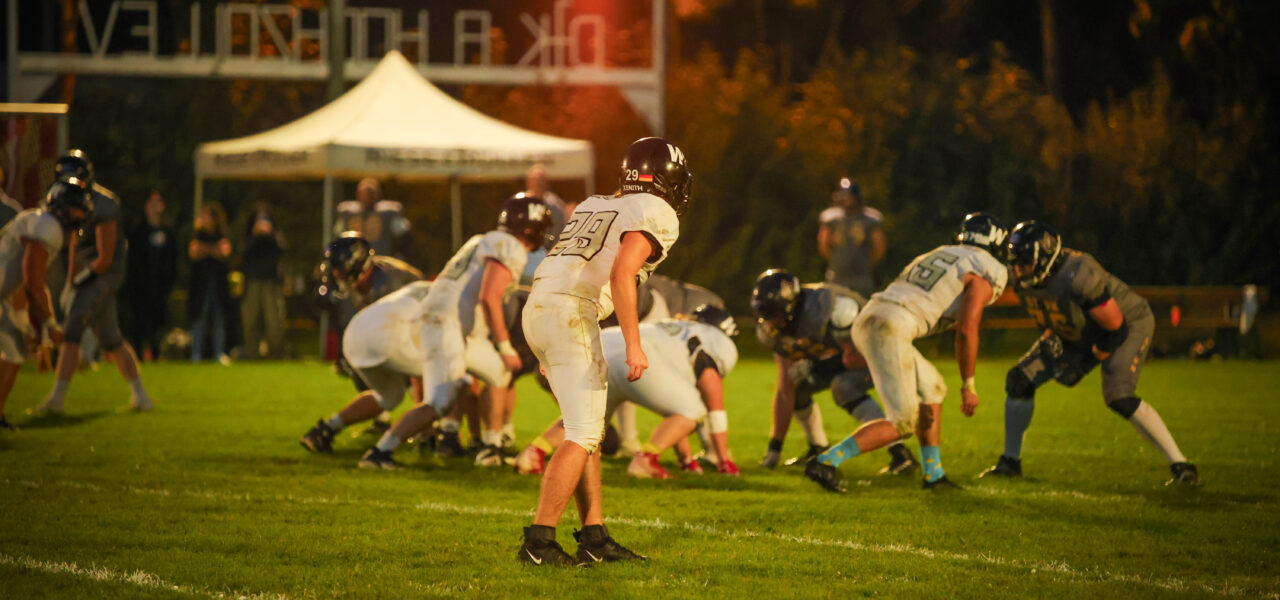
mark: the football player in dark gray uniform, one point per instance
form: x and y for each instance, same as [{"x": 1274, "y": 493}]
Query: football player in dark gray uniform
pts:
[
  {"x": 352, "y": 277},
  {"x": 808, "y": 329},
  {"x": 1089, "y": 318},
  {"x": 95, "y": 273}
]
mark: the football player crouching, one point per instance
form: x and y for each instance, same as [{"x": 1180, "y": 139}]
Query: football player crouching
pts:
[
  {"x": 1089, "y": 318},
  {"x": 808, "y": 329},
  {"x": 463, "y": 327},
  {"x": 28, "y": 245},
  {"x": 684, "y": 384}
]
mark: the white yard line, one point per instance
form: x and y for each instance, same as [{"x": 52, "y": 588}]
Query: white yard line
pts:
[
  {"x": 139, "y": 578},
  {"x": 1058, "y": 568}
]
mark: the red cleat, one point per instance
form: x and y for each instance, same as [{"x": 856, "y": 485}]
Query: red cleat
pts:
[{"x": 645, "y": 466}]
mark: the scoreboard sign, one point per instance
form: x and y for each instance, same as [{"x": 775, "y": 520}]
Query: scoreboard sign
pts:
[{"x": 539, "y": 42}]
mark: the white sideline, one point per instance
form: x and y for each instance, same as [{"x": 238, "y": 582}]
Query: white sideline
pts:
[
  {"x": 1055, "y": 567},
  {"x": 138, "y": 578}
]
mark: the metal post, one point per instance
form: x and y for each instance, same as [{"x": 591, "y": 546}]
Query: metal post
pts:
[
  {"x": 455, "y": 209},
  {"x": 13, "y": 52},
  {"x": 327, "y": 221},
  {"x": 199, "y": 195},
  {"x": 337, "y": 48},
  {"x": 63, "y": 130},
  {"x": 660, "y": 64}
]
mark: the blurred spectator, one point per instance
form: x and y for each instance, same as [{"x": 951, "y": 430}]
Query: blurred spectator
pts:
[
  {"x": 210, "y": 299},
  {"x": 152, "y": 270},
  {"x": 849, "y": 237},
  {"x": 9, "y": 208},
  {"x": 536, "y": 184},
  {"x": 380, "y": 222},
  {"x": 262, "y": 308}
]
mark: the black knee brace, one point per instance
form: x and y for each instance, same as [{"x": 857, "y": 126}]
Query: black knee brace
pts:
[
  {"x": 849, "y": 405},
  {"x": 803, "y": 396},
  {"x": 1016, "y": 385},
  {"x": 1125, "y": 407}
]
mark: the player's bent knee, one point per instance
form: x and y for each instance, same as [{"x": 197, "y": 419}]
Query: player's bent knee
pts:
[
  {"x": 587, "y": 437},
  {"x": 847, "y": 400},
  {"x": 1125, "y": 407},
  {"x": 905, "y": 427},
  {"x": 1017, "y": 385},
  {"x": 388, "y": 401}
]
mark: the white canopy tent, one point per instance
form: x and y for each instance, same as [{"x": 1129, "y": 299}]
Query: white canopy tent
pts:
[{"x": 394, "y": 123}]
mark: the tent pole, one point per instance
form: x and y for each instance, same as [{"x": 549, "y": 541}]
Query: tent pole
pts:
[
  {"x": 199, "y": 195},
  {"x": 455, "y": 209},
  {"x": 327, "y": 236}
]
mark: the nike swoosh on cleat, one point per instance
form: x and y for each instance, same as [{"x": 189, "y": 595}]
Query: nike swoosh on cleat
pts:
[
  {"x": 593, "y": 557},
  {"x": 536, "y": 560}
]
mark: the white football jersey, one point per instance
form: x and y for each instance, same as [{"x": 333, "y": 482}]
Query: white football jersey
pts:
[
  {"x": 580, "y": 263},
  {"x": 389, "y": 331},
  {"x": 458, "y": 285},
  {"x": 930, "y": 287},
  {"x": 671, "y": 347},
  {"x": 33, "y": 224}
]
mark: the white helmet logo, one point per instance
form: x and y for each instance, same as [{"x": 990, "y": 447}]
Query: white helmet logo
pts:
[{"x": 676, "y": 155}]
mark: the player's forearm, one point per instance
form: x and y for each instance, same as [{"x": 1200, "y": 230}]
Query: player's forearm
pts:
[
  {"x": 967, "y": 351},
  {"x": 105, "y": 241},
  {"x": 494, "y": 317},
  {"x": 73, "y": 241},
  {"x": 41, "y": 306},
  {"x": 721, "y": 442},
  {"x": 623, "y": 287}
]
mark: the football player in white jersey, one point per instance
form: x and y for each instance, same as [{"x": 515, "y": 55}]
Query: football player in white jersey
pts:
[
  {"x": 949, "y": 285},
  {"x": 464, "y": 301},
  {"x": 609, "y": 246},
  {"x": 384, "y": 349},
  {"x": 28, "y": 245},
  {"x": 684, "y": 384}
]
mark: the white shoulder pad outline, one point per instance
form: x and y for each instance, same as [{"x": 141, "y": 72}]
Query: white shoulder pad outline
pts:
[{"x": 843, "y": 311}]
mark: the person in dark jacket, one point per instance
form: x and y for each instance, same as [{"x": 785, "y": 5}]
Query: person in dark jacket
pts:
[
  {"x": 152, "y": 270},
  {"x": 262, "y": 309},
  {"x": 210, "y": 297}
]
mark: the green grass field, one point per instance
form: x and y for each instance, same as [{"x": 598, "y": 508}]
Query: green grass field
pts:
[{"x": 211, "y": 495}]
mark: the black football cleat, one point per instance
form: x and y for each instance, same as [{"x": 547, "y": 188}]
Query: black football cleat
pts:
[
  {"x": 900, "y": 460},
  {"x": 1005, "y": 467},
  {"x": 319, "y": 438},
  {"x": 376, "y": 429},
  {"x": 541, "y": 549},
  {"x": 941, "y": 483},
  {"x": 5, "y": 425},
  {"x": 800, "y": 461},
  {"x": 824, "y": 475},
  {"x": 448, "y": 444},
  {"x": 1184, "y": 473},
  {"x": 378, "y": 459},
  {"x": 595, "y": 545}
]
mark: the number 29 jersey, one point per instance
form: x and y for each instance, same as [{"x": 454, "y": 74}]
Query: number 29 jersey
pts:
[
  {"x": 580, "y": 263},
  {"x": 930, "y": 287}
]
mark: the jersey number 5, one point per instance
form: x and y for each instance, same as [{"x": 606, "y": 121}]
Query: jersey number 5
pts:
[
  {"x": 927, "y": 272},
  {"x": 584, "y": 234}
]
